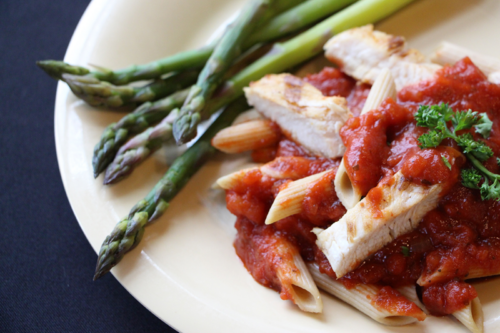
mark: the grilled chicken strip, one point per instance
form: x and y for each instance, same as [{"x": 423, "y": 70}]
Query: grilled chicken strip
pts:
[
  {"x": 368, "y": 226},
  {"x": 362, "y": 53},
  {"x": 302, "y": 112}
]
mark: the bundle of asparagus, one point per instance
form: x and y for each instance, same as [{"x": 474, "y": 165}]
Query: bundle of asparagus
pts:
[{"x": 167, "y": 110}]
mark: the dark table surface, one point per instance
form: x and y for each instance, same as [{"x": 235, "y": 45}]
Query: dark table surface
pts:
[{"x": 46, "y": 263}]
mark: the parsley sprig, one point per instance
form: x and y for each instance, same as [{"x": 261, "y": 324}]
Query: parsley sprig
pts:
[{"x": 437, "y": 118}]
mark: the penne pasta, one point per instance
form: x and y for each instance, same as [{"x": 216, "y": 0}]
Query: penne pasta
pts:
[
  {"x": 471, "y": 316},
  {"x": 410, "y": 292},
  {"x": 301, "y": 285},
  {"x": 246, "y": 136},
  {"x": 361, "y": 297},
  {"x": 276, "y": 263},
  {"x": 447, "y": 272},
  {"x": 383, "y": 88},
  {"x": 289, "y": 200},
  {"x": 449, "y": 53},
  {"x": 228, "y": 182}
]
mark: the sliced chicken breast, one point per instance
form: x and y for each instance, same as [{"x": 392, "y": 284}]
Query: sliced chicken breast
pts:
[
  {"x": 302, "y": 112},
  {"x": 362, "y": 53},
  {"x": 367, "y": 227}
]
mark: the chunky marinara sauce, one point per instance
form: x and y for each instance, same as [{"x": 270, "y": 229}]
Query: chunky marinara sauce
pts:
[{"x": 455, "y": 240}]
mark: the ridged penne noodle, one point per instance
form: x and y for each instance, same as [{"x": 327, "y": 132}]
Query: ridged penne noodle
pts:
[
  {"x": 410, "y": 292},
  {"x": 445, "y": 273},
  {"x": 383, "y": 88},
  {"x": 303, "y": 289},
  {"x": 276, "y": 263},
  {"x": 249, "y": 135},
  {"x": 289, "y": 200},
  {"x": 471, "y": 316},
  {"x": 360, "y": 297},
  {"x": 449, "y": 53},
  {"x": 230, "y": 181}
]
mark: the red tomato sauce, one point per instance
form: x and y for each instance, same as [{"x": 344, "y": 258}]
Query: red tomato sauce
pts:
[
  {"x": 332, "y": 82},
  {"x": 459, "y": 238},
  {"x": 390, "y": 299}
]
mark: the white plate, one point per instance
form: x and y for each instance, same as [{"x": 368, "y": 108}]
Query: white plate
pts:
[{"x": 185, "y": 270}]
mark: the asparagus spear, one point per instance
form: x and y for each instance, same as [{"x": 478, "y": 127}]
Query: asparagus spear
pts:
[
  {"x": 287, "y": 55},
  {"x": 298, "y": 14},
  {"x": 255, "y": 13},
  {"x": 97, "y": 93},
  {"x": 56, "y": 68},
  {"x": 116, "y": 134},
  {"x": 137, "y": 149},
  {"x": 129, "y": 231}
]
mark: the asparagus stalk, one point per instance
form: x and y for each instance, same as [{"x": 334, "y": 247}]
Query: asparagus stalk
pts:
[
  {"x": 137, "y": 149},
  {"x": 287, "y": 55},
  {"x": 116, "y": 134},
  {"x": 97, "y": 93},
  {"x": 129, "y": 231},
  {"x": 298, "y": 14},
  {"x": 255, "y": 13}
]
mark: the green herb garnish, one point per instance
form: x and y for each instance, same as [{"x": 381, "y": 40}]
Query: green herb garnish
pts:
[
  {"x": 446, "y": 162},
  {"x": 405, "y": 251},
  {"x": 436, "y": 118}
]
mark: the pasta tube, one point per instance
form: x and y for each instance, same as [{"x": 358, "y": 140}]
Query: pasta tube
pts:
[
  {"x": 449, "y": 53},
  {"x": 228, "y": 182},
  {"x": 383, "y": 88},
  {"x": 289, "y": 200},
  {"x": 276, "y": 263},
  {"x": 250, "y": 135},
  {"x": 362, "y": 298},
  {"x": 301, "y": 285},
  {"x": 471, "y": 316},
  {"x": 447, "y": 272},
  {"x": 410, "y": 292}
]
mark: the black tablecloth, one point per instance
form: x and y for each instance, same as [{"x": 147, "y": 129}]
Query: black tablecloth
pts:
[{"x": 46, "y": 263}]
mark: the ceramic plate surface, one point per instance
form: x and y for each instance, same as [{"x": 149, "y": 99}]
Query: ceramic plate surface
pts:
[{"x": 185, "y": 270}]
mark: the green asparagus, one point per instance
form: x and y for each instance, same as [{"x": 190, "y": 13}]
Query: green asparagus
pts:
[
  {"x": 299, "y": 14},
  {"x": 287, "y": 55},
  {"x": 97, "y": 93},
  {"x": 255, "y": 13},
  {"x": 137, "y": 149},
  {"x": 129, "y": 231},
  {"x": 56, "y": 68},
  {"x": 116, "y": 134}
]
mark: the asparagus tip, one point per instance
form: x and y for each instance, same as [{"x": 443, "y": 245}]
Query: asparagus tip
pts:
[
  {"x": 184, "y": 129},
  {"x": 56, "y": 68}
]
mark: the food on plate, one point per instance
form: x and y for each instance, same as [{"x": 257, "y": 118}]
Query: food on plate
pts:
[
  {"x": 424, "y": 161},
  {"x": 229, "y": 64}
]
